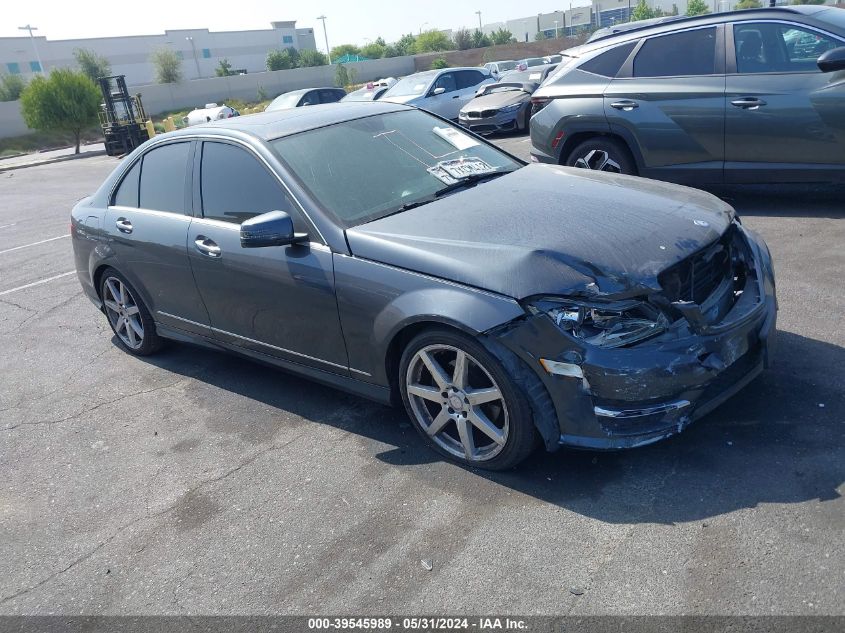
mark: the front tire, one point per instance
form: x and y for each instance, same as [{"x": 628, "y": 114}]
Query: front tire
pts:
[
  {"x": 602, "y": 154},
  {"x": 128, "y": 316},
  {"x": 464, "y": 403}
]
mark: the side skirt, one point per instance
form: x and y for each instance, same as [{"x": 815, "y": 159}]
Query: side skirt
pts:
[{"x": 367, "y": 390}]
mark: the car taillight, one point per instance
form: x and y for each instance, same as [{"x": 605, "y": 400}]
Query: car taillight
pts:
[{"x": 538, "y": 103}]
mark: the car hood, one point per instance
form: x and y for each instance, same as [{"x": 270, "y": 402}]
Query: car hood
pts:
[
  {"x": 496, "y": 100},
  {"x": 545, "y": 229},
  {"x": 401, "y": 98}
]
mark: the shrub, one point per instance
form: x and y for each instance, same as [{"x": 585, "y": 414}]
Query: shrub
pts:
[
  {"x": 168, "y": 66},
  {"x": 92, "y": 64},
  {"x": 439, "y": 63},
  {"x": 11, "y": 87}
]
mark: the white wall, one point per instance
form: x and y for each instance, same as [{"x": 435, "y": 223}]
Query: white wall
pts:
[{"x": 159, "y": 98}]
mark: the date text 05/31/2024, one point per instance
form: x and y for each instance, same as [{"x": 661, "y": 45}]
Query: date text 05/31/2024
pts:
[{"x": 419, "y": 623}]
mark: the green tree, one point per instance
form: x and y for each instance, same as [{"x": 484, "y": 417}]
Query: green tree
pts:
[
  {"x": 345, "y": 49},
  {"x": 391, "y": 51},
  {"x": 92, "y": 64},
  {"x": 748, "y": 4},
  {"x": 463, "y": 39},
  {"x": 168, "y": 66},
  {"x": 642, "y": 12},
  {"x": 439, "y": 63},
  {"x": 407, "y": 44},
  {"x": 373, "y": 50},
  {"x": 502, "y": 36},
  {"x": 224, "y": 68},
  {"x": 479, "y": 40},
  {"x": 294, "y": 56},
  {"x": 807, "y": 2},
  {"x": 308, "y": 58},
  {"x": 539, "y": 36},
  {"x": 432, "y": 41},
  {"x": 261, "y": 93},
  {"x": 11, "y": 87},
  {"x": 65, "y": 101},
  {"x": 344, "y": 76},
  {"x": 697, "y": 7},
  {"x": 279, "y": 60},
  {"x": 675, "y": 9}
]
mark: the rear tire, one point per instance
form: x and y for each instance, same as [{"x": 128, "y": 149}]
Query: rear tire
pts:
[
  {"x": 602, "y": 154},
  {"x": 464, "y": 403},
  {"x": 128, "y": 316}
]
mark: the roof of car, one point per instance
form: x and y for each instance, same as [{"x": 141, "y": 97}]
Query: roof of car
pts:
[
  {"x": 304, "y": 90},
  {"x": 650, "y": 27},
  {"x": 278, "y": 123}
]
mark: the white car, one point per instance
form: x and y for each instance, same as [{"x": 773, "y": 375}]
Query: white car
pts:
[
  {"x": 497, "y": 69},
  {"x": 211, "y": 112},
  {"x": 442, "y": 92}
]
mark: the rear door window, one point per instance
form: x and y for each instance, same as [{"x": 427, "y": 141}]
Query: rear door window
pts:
[
  {"x": 127, "y": 192},
  {"x": 235, "y": 186},
  {"x": 163, "y": 176},
  {"x": 683, "y": 54},
  {"x": 610, "y": 62}
]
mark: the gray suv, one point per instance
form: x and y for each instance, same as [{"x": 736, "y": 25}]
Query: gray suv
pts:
[{"x": 747, "y": 96}]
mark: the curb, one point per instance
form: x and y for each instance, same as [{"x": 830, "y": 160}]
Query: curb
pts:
[{"x": 57, "y": 159}]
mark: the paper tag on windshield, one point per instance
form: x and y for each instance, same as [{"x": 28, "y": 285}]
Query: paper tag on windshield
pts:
[
  {"x": 455, "y": 137},
  {"x": 534, "y": 76}
]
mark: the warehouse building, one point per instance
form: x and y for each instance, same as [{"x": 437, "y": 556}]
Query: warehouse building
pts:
[{"x": 200, "y": 49}]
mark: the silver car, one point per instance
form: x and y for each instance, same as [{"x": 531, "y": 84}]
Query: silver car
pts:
[{"x": 441, "y": 92}]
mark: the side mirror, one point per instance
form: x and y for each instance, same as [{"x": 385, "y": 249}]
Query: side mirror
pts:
[
  {"x": 832, "y": 60},
  {"x": 274, "y": 228},
  {"x": 438, "y": 91}
]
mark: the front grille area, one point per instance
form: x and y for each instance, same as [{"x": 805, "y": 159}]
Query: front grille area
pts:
[
  {"x": 487, "y": 113},
  {"x": 695, "y": 278},
  {"x": 474, "y": 115}
]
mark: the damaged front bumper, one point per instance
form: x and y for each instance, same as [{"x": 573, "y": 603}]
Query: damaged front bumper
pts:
[{"x": 612, "y": 398}]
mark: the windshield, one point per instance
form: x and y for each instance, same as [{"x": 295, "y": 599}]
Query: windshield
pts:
[
  {"x": 287, "y": 100},
  {"x": 365, "y": 169},
  {"x": 523, "y": 76},
  {"x": 504, "y": 88},
  {"x": 362, "y": 94},
  {"x": 411, "y": 85},
  {"x": 503, "y": 66},
  {"x": 533, "y": 61},
  {"x": 834, "y": 16}
]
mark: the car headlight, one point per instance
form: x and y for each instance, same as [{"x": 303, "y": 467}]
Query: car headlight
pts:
[
  {"x": 510, "y": 108},
  {"x": 604, "y": 324}
]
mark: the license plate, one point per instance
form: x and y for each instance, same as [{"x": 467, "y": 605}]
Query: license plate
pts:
[{"x": 463, "y": 167}]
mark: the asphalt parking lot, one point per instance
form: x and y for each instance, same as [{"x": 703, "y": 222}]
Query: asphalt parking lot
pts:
[{"x": 195, "y": 482}]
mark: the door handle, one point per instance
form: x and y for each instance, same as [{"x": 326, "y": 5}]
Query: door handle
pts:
[
  {"x": 748, "y": 103},
  {"x": 626, "y": 104},
  {"x": 123, "y": 225},
  {"x": 206, "y": 246},
  {"x": 456, "y": 96}
]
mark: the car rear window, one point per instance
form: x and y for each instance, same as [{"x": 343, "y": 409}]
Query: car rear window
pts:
[
  {"x": 163, "y": 175},
  {"x": 681, "y": 54},
  {"x": 610, "y": 62}
]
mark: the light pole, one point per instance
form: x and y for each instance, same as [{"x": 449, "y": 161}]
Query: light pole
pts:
[
  {"x": 556, "y": 35},
  {"x": 196, "y": 61},
  {"x": 31, "y": 28},
  {"x": 421, "y": 27},
  {"x": 326, "y": 36},
  {"x": 478, "y": 13}
]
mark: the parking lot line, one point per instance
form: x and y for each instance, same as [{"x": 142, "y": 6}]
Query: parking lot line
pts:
[
  {"x": 36, "y": 283},
  {"x": 6, "y": 226},
  {"x": 17, "y": 248}
]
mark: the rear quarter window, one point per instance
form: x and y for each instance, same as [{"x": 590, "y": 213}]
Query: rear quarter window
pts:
[
  {"x": 608, "y": 63},
  {"x": 163, "y": 175},
  {"x": 127, "y": 193}
]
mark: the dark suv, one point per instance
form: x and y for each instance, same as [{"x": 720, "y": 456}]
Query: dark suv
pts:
[{"x": 745, "y": 96}]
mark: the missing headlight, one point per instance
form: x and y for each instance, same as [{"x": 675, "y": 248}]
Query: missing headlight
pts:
[{"x": 612, "y": 325}]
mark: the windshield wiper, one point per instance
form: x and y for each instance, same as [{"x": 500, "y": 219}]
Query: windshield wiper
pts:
[{"x": 470, "y": 181}]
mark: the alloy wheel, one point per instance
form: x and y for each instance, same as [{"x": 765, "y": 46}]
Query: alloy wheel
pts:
[
  {"x": 598, "y": 160},
  {"x": 457, "y": 403},
  {"x": 123, "y": 313}
]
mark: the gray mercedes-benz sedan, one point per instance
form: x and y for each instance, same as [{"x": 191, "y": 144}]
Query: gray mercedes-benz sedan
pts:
[{"x": 385, "y": 251}]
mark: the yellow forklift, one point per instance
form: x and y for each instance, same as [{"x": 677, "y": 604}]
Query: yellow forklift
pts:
[{"x": 122, "y": 116}]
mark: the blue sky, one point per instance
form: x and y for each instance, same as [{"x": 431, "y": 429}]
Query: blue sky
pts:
[{"x": 348, "y": 20}]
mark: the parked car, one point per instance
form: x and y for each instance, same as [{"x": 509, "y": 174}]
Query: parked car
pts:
[
  {"x": 504, "y": 106},
  {"x": 496, "y": 69},
  {"x": 382, "y": 250},
  {"x": 552, "y": 59},
  {"x": 305, "y": 97},
  {"x": 627, "y": 26},
  {"x": 211, "y": 112},
  {"x": 443, "y": 92},
  {"x": 371, "y": 91},
  {"x": 741, "y": 97},
  {"x": 522, "y": 64}
]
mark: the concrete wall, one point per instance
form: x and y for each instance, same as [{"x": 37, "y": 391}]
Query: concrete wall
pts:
[
  {"x": 164, "y": 97},
  {"x": 159, "y": 98},
  {"x": 11, "y": 120}
]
